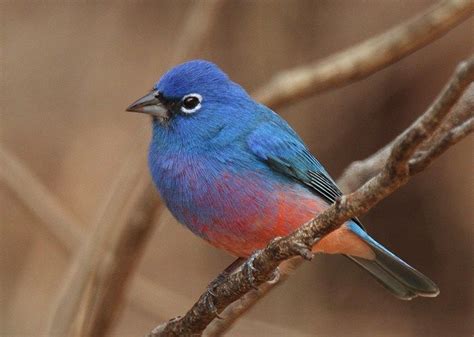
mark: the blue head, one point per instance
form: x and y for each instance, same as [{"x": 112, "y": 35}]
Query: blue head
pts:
[{"x": 193, "y": 102}]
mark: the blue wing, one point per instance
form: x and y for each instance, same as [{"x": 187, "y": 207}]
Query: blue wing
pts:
[{"x": 275, "y": 143}]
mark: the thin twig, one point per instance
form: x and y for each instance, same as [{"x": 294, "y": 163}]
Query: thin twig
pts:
[
  {"x": 395, "y": 173},
  {"x": 360, "y": 171},
  {"x": 424, "y": 158},
  {"x": 365, "y": 58}
]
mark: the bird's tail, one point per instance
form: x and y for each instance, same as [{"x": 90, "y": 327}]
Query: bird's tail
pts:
[{"x": 393, "y": 273}]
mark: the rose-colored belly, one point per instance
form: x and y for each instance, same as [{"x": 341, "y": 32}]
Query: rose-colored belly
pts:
[{"x": 289, "y": 211}]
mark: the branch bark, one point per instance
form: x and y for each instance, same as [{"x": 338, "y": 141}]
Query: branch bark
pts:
[
  {"x": 365, "y": 58},
  {"x": 359, "y": 172},
  {"x": 342, "y": 68},
  {"x": 402, "y": 163},
  {"x": 450, "y": 132},
  {"x": 238, "y": 308},
  {"x": 335, "y": 71}
]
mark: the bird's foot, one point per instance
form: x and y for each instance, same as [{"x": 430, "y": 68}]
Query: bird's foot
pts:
[
  {"x": 299, "y": 248},
  {"x": 303, "y": 251},
  {"x": 210, "y": 295},
  {"x": 275, "y": 276},
  {"x": 174, "y": 319},
  {"x": 248, "y": 269}
]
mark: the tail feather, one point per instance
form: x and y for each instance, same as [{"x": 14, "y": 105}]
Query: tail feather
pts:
[{"x": 393, "y": 273}]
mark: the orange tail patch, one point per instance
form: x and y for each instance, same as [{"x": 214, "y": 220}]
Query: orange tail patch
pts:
[{"x": 344, "y": 241}]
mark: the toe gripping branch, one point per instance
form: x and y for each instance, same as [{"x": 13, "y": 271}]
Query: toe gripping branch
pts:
[
  {"x": 210, "y": 295},
  {"x": 303, "y": 250},
  {"x": 249, "y": 271}
]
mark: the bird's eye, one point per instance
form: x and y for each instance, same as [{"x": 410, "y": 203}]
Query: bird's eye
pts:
[{"x": 191, "y": 103}]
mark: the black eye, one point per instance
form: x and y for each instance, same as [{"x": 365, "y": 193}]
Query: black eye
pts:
[{"x": 191, "y": 103}]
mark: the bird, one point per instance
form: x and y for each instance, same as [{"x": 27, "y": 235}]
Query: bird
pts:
[{"x": 237, "y": 175}]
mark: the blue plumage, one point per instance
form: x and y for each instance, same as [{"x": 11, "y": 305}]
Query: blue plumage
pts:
[{"x": 237, "y": 175}]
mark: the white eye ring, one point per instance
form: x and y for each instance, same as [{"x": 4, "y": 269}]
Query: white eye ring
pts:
[{"x": 193, "y": 107}]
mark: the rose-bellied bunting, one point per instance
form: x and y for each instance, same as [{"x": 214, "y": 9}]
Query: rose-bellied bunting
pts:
[{"x": 237, "y": 175}]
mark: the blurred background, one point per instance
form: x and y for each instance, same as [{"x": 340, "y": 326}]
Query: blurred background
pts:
[{"x": 69, "y": 69}]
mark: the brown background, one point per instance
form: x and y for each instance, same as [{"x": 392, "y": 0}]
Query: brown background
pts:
[{"x": 69, "y": 69}]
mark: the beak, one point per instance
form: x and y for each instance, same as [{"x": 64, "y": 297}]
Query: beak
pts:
[{"x": 151, "y": 105}]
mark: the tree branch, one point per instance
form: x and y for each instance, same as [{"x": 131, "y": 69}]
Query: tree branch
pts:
[
  {"x": 450, "y": 132},
  {"x": 360, "y": 171},
  {"x": 395, "y": 173},
  {"x": 365, "y": 58},
  {"x": 238, "y": 308},
  {"x": 454, "y": 12},
  {"x": 424, "y": 158},
  {"x": 342, "y": 68}
]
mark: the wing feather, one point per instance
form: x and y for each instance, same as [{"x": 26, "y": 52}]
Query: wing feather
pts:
[{"x": 280, "y": 147}]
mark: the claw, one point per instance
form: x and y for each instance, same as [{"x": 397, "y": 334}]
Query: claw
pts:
[
  {"x": 274, "y": 240},
  {"x": 304, "y": 251},
  {"x": 249, "y": 269},
  {"x": 275, "y": 277},
  {"x": 210, "y": 295},
  {"x": 209, "y": 299}
]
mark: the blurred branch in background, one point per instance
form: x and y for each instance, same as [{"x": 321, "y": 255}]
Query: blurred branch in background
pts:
[
  {"x": 82, "y": 282},
  {"x": 93, "y": 293},
  {"x": 365, "y": 58},
  {"x": 411, "y": 152},
  {"x": 198, "y": 25},
  {"x": 59, "y": 222},
  {"x": 61, "y": 225},
  {"x": 126, "y": 248}
]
